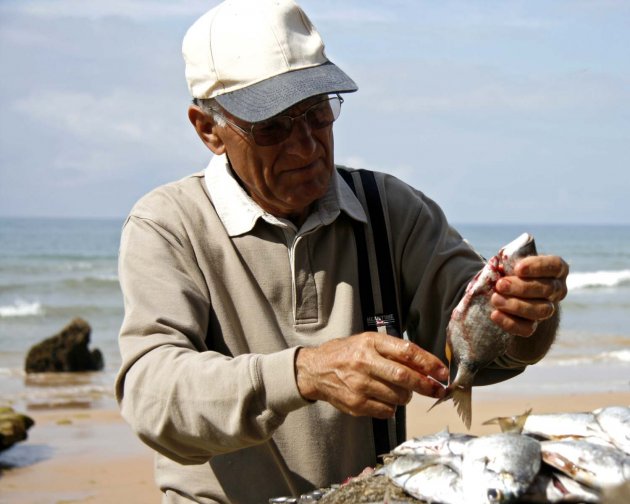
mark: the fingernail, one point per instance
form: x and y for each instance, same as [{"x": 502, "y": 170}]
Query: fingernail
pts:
[
  {"x": 498, "y": 300},
  {"x": 442, "y": 374},
  {"x": 503, "y": 286}
]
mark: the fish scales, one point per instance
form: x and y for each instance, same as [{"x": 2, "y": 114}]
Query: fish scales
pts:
[
  {"x": 561, "y": 425},
  {"x": 592, "y": 464},
  {"x": 551, "y": 486},
  {"x": 472, "y": 340},
  {"x": 499, "y": 467},
  {"x": 441, "y": 443},
  {"x": 430, "y": 478},
  {"x": 615, "y": 422}
]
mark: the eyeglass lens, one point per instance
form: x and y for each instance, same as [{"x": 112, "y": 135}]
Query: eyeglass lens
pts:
[{"x": 277, "y": 129}]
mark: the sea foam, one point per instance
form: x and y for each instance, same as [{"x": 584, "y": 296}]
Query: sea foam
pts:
[
  {"x": 615, "y": 356},
  {"x": 584, "y": 280},
  {"x": 21, "y": 308}
]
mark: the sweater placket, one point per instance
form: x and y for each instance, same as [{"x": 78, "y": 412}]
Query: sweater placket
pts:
[{"x": 304, "y": 289}]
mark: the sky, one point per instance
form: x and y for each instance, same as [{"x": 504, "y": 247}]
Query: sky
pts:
[{"x": 502, "y": 111}]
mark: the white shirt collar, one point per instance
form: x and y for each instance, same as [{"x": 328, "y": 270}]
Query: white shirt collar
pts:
[{"x": 239, "y": 212}]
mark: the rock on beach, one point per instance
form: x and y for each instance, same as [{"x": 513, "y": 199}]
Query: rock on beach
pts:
[
  {"x": 13, "y": 427},
  {"x": 65, "y": 351}
]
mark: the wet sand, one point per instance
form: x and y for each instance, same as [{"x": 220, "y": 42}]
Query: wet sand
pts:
[{"x": 83, "y": 455}]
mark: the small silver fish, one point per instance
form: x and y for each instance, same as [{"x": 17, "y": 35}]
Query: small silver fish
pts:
[
  {"x": 499, "y": 467},
  {"x": 592, "y": 464},
  {"x": 562, "y": 425},
  {"x": 430, "y": 478},
  {"x": 552, "y": 486},
  {"x": 609, "y": 426},
  {"x": 472, "y": 340},
  {"x": 442, "y": 443},
  {"x": 615, "y": 422}
]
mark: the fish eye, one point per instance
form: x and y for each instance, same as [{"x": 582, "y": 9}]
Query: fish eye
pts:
[{"x": 495, "y": 495}]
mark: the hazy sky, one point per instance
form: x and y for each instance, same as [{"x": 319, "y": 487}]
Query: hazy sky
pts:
[{"x": 502, "y": 111}]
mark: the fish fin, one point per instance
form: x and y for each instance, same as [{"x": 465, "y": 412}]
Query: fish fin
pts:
[
  {"x": 448, "y": 352},
  {"x": 462, "y": 399},
  {"x": 513, "y": 424},
  {"x": 447, "y": 396},
  {"x": 520, "y": 420}
]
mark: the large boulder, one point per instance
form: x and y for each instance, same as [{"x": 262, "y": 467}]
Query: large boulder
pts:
[
  {"x": 13, "y": 427},
  {"x": 65, "y": 351}
]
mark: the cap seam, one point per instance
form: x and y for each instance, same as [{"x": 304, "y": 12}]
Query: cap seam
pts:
[
  {"x": 212, "y": 64},
  {"x": 311, "y": 28},
  {"x": 284, "y": 54}
]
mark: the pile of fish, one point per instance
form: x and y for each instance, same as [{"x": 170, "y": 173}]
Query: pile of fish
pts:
[{"x": 564, "y": 457}]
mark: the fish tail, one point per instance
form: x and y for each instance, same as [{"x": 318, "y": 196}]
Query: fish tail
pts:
[
  {"x": 462, "y": 399},
  {"x": 514, "y": 424}
]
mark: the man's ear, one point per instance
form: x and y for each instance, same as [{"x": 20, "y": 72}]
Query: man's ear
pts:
[{"x": 206, "y": 129}]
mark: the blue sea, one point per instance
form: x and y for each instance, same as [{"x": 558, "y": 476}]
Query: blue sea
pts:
[{"x": 52, "y": 270}]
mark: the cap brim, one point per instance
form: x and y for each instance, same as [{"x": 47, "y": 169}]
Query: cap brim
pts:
[{"x": 269, "y": 97}]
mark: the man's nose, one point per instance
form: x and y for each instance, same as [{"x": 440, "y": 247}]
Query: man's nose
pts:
[{"x": 301, "y": 141}]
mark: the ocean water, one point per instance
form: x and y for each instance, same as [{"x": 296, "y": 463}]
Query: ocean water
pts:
[{"x": 52, "y": 270}]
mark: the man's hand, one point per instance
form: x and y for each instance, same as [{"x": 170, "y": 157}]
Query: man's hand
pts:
[
  {"x": 530, "y": 295},
  {"x": 368, "y": 374}
]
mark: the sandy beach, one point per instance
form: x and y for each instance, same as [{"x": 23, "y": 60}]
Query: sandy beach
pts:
[{"x": 84, "y": 455}]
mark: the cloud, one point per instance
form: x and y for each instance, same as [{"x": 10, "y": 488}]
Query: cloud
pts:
[
  {"x": 85, "y": 116},
  {"x": 402, "y": 171},
  {"x": 139, "y": 10},
  {"x": 452, "y": 94},
  {"x": 107, "y": 133},
  {"x": 452, "y": 88}
]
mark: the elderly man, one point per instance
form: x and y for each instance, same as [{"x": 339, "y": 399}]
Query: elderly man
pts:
[{"x": 247, "y": 366}]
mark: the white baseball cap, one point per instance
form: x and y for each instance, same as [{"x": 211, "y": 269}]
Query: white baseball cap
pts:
[{"x": 258, "y": 58}]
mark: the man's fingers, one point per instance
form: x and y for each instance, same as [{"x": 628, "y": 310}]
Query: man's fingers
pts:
[
  {"x": 529, "y": 309},
  {"x": 536, "y": 288},
  {"x": 551, "y": 289},
  {"x": 410, "y": 355},
  {"x": 514, "y": 325},
  {"x": 368, "y": 374},
  {"x": 400, "y": 377},
  {"x": 368, "y": 407},
  {"x": 541, "y": 267}
]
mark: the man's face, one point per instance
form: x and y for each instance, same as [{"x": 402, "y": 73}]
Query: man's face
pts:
[{"x": 285, "y": 178}]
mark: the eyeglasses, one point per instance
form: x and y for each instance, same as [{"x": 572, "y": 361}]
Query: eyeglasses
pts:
[{"x": 278, "y": 128}]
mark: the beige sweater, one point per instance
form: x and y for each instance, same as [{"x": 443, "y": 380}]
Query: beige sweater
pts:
[{"x": 219, "y": 296}]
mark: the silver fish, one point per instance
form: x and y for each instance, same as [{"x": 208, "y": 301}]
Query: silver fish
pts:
[
  {"x": 592, "y": 464},
  {"x": 442, "y": 443},
  {"x": 472, "y": 340},
  {"x": 430, "y": 478},
  {"x": 609, "y": 426},
  {"x": 499, "y": 467},
  {"x": 615, "y": 422},
  {"x": 552, "y": 486},
  {"x": 562, "y": 425}
]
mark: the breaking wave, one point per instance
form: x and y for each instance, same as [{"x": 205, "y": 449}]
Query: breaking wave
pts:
[
  {"x": 594, "y": 279},
  {"x": 21, "y": 308},
  {"x": 617, "y": 356}
]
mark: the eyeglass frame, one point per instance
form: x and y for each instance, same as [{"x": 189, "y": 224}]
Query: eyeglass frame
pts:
[{"x": 292, "y": 118}]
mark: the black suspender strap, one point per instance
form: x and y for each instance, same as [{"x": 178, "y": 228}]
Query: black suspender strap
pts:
[
  {"x": 381, "y": 245},
  {"x": 365, "y": 283},
  {"x": 387, "y": 433}
]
